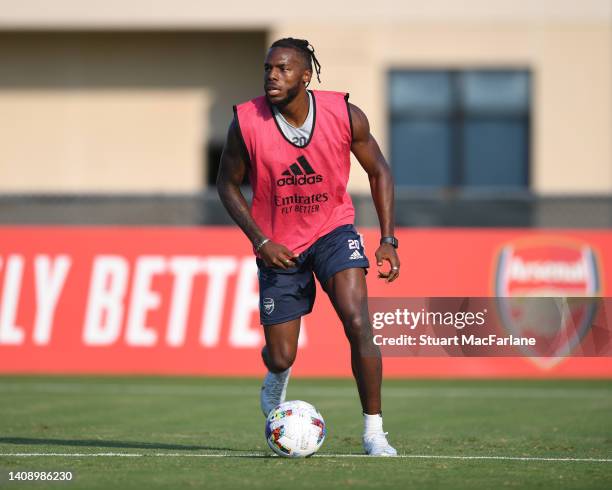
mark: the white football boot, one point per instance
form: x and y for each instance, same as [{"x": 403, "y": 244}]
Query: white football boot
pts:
[
  {"x": 376, "y": 444},
  {"x": 273, "y": 390}
]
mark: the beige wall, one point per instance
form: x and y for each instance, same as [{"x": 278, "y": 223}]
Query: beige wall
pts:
[
  {"x": 133, "y": 110},
  {"x": 572, "y": 85},
  {"x": 82, "y": 112},
  {"x": 232, "y": 14}
]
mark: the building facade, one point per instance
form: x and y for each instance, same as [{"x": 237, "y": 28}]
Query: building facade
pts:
[{"x": 136, "y": 96}]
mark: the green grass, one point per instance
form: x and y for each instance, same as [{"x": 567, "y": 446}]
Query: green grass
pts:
[{"x": 154, "y": 417}]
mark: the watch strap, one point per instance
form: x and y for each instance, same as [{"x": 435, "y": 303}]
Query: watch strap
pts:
[{"x": 391, "y": 240}]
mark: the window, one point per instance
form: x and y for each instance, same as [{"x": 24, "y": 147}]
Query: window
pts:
[{"x": 460, "y": 128}]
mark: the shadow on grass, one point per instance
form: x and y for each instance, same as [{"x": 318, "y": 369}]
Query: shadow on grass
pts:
[{"x": 111, "y": 444}]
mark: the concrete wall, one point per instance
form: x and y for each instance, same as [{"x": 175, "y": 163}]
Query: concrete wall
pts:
[
  {"x": 232, "y": 14},
  {"x": 118, "y": 111},
  {"x": 133, "y": 109}
]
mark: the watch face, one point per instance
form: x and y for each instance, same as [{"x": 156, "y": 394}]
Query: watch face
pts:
[{"x": 391, "y": 240}]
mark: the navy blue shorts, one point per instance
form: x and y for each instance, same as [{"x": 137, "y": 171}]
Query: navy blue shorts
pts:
[{"x": 286, "y": 294}]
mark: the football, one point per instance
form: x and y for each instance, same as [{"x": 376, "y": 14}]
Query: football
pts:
[{"x": 295, "y": 429}]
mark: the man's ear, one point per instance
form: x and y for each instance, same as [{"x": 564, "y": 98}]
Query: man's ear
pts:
[{"x": 306, "y": 77}]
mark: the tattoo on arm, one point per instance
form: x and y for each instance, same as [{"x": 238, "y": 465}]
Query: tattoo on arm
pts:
[{"x": 232, "y": 170}]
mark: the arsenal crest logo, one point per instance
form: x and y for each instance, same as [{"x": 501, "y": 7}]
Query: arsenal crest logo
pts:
[
  {"x": 545, "y": 289},
  {"x": 268, "y": 305}
]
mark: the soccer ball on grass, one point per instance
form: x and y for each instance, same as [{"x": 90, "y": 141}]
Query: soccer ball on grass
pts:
[{"x": 295, "y": 429}]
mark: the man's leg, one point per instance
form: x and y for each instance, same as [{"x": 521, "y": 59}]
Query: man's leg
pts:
[
  {"x": 348, "y": 293},
  {"x": 281, "y": 345},
  {"x": 278, "y": 355},
  {"x": 285, "y": 295}
]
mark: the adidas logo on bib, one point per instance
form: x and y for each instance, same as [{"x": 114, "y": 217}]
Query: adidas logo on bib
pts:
[{"x": 299, "y": 173}]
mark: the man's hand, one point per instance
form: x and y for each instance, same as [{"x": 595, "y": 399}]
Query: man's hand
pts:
[
  {"x": 388, "y": 253},
  {"x": 276, "y": 255}
]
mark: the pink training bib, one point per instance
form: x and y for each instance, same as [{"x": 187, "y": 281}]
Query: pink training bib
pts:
[{"x": 299, "y": 193}]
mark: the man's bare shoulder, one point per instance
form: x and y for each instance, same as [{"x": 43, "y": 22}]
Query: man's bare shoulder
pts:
[{"x": 361, "y": 125}]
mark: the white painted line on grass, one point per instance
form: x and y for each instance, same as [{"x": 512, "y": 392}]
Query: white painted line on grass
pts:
[
  {"x": 132, "y": 389},
  {"x": 318, "y": 456},
  {"x": 71, "y": 455}
]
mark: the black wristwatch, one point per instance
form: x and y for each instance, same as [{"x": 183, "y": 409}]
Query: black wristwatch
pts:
[{"x": 390, "y": 239}]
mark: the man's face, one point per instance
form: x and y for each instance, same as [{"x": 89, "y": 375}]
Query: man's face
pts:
[{"x": 284, "y": 75}]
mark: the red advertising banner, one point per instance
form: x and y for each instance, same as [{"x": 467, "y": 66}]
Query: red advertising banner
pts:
[{"x": 185, "y": 300}]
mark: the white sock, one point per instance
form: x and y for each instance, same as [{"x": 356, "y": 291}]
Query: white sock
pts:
[
  {"x": 282, "y": 373},
  {"x": 372, "y": 424}
]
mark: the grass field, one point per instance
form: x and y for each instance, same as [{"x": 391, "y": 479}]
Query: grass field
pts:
[{"x": 123, "y": 433}]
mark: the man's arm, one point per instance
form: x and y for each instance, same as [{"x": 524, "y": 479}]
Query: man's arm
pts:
[
  {"x": 232, "y": 169},
  {"x": 368, "y": 153}
]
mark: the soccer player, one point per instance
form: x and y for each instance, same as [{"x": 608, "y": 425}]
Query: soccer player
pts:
[{"x": 295, "y": 145}]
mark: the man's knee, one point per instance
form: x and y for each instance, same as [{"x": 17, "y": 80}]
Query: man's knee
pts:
[
  {"x": 357, "y": 327},
  {"x": 279, "y": 358}
]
